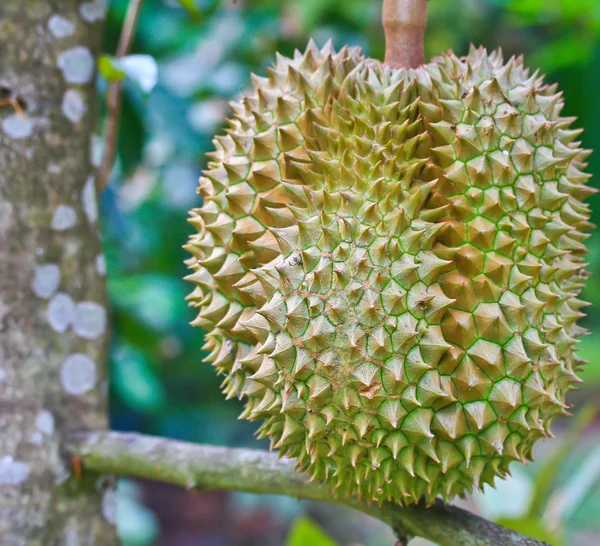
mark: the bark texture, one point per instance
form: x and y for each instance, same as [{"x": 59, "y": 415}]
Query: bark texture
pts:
[{"x": 53, "y": 318}]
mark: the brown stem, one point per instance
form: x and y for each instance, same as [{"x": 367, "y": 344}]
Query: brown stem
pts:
[
  {"x": 114, "y": 96},
  {"x": 404, "y": 22}
]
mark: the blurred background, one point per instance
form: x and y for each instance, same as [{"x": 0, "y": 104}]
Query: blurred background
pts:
[{"x": 204, "y": 52}]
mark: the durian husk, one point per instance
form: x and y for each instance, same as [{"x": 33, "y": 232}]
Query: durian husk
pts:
[{"x": 387, "y": 265}]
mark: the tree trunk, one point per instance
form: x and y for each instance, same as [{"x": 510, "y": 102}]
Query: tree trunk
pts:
[{"x": 53, "y": 319}]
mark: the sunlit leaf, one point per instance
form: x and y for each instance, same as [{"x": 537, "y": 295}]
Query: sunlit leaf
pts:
[
  {"x": 142, "y": 69},
  {"x": 191, "y": 7},
  {"x": 529, "y": 7},
  {"x": 110, "y": 69},
  {"x": 566, "y": 52},
  {"x": 304, "y": 532}
]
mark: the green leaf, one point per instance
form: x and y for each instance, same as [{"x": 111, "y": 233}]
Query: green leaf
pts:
[
  {"x": 589, "y": 349},
  {"x": 110, "y": 69},
  {"x": 530, "y": 8},
  {"x": 141, "y": 69},
  {"x": 566, "y": 52},
  {"x": 191, "y": 7},
  {"x": 544, "y": 480},
  {"x": 135, "y": 382},
  {"x": 570, "y": 497},
  {"x": 533, "y": 528},
  {"x": 311, "y": 12},
  {"x": 304, "y": 532},
  {"x": 131, "y": 136},
  {"x": 155, "y": 300}
]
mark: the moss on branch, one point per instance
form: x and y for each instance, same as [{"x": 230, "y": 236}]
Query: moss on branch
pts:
[{"x": 208, "y": 467}]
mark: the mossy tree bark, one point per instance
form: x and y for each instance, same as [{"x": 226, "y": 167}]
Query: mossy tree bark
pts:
[
  {"x": 53, "y": 319},
  {"x": 210, "y": 467}
]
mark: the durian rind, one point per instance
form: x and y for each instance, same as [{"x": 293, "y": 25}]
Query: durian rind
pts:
[{"x": 387, "y": 263}]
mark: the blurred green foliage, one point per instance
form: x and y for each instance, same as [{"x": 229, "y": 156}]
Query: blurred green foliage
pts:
[
  {"x": 540, "y": 519},
  {"x": 191, "y": 7},
  {"x": 304, "y": 532},
  {"x": 205, "y": 51}
]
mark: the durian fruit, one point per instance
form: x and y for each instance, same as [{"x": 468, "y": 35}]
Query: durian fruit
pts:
[{"x": 387, "y": 267}]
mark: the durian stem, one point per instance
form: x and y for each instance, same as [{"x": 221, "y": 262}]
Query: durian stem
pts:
[
  {"x": 200, "y": 467},
  {"x": 404, "y": 22}
]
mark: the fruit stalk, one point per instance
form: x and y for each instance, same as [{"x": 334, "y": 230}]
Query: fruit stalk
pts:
[{"x": 404, "y": 22}]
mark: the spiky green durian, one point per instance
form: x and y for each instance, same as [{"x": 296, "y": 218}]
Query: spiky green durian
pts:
[{"x": 387, "y": 264}]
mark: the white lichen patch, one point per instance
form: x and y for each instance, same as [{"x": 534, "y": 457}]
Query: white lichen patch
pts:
[
  {"x": 89, "y": 200},
  {"x": 93, "y": 11},
  {"x": 109, "y": 506},
  {"x": 90, "y": 320},
  {"x": 60, "y": 27},
  {"x": 72, "y": 535},
  {"x": 17, "y": 127},
  {"x": 77, "y": 65},
  {"x": 61, "y": 313},
  {"x": 96, "y": 150},
  {"x": 64, "y": 218},
  {"x": 46, "y": 279},
  {"x": 44, "y": 422},
  {"x": 73, "y": 106},
  {"x": 101, "y": 265},
  {"x": 13, "y": 472},
  {"x": 53, "y": 168},
  {"x": 78, "y": 374}
]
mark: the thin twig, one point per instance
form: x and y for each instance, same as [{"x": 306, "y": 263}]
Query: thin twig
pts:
[
  {"x": 114, "y": 96},
  {"x": 404, "y": 22},
  {"x": 209, "y": 467}
]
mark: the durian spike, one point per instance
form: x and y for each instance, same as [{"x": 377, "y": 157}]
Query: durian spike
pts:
[
  {"x": 395, "y": 294},
  {"x": 404, "y": 22}
]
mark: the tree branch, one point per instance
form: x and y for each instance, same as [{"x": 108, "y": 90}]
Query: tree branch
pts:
[
  {"x": 114, "y": 96},
  {"x": 404, "y": 22},
  {"x": 207, "y": 467}
]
